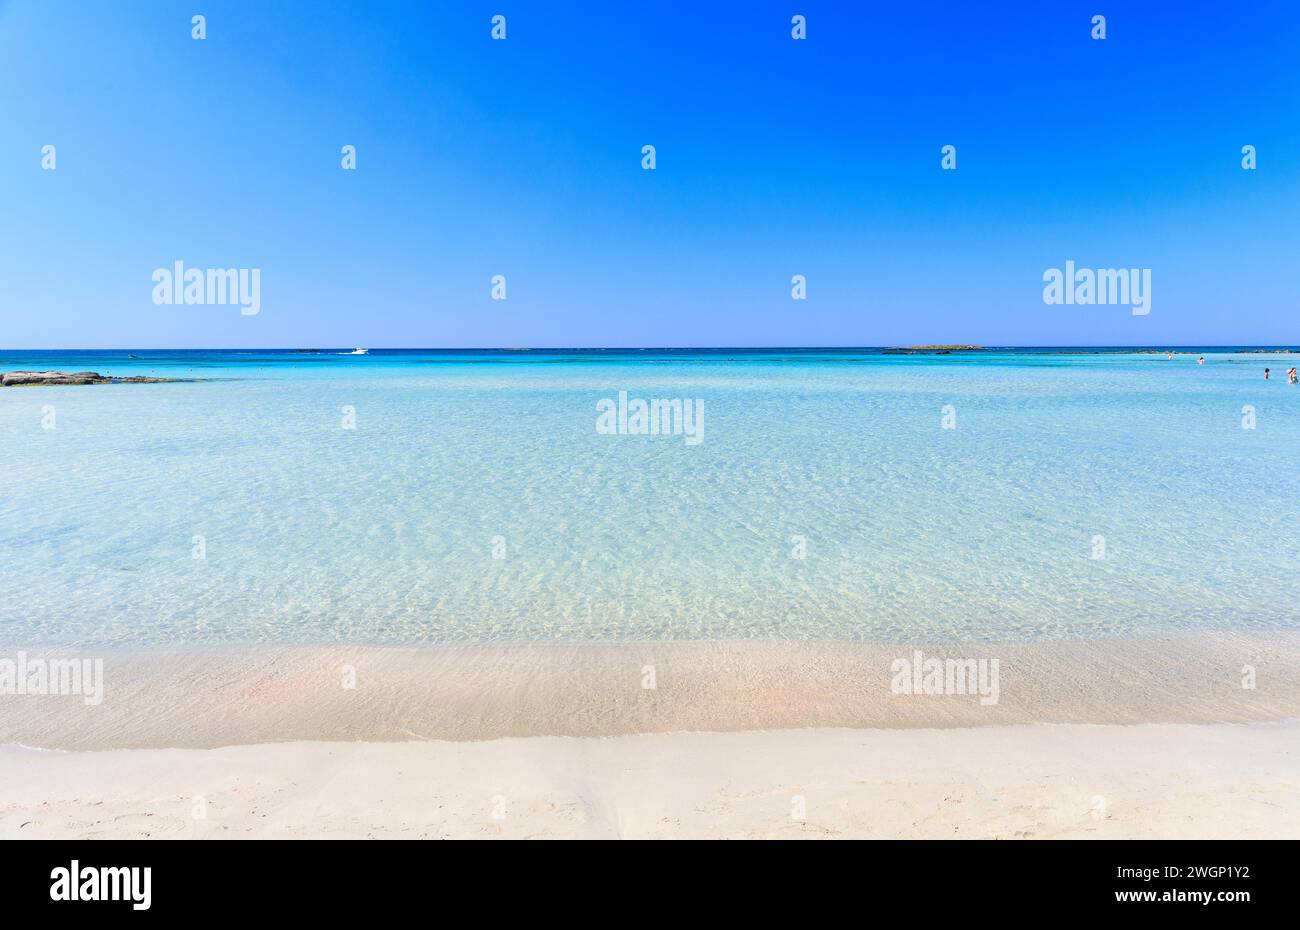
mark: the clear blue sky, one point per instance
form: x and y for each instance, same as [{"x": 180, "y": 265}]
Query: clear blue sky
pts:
[{"x": 522, "y": 158}]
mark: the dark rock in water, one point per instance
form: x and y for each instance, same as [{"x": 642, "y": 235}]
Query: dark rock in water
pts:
[
  {"x": 932, "y": 350},
  {"x": 50, "y": 377},
  {"x": 45, "y": 378}
]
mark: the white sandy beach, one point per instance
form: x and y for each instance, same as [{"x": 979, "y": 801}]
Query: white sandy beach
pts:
[
  {"x": 1037, "y": 781},
  {"x": 1148, "y": 737}
]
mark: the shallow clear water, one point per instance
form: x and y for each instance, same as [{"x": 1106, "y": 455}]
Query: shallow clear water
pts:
[{"x": 386, "y": 533}]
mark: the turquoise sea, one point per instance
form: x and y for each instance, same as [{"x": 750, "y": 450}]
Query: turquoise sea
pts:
[{"x": 1082, "y": 493}]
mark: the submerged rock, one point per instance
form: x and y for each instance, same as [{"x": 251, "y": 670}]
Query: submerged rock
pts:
[{"x": 43, "y": 378}]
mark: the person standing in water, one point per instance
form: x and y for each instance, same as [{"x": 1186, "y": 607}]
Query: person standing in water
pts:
[
  {"x": 1290, "y": 376},
  {"x": 1265, "y": 374},
  {"x": 1201, "y": 360}
]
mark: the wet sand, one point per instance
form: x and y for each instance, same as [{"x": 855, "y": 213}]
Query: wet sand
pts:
[
  {"x": 1155, "y": 737},
  {"x": 211, "y": 697}
]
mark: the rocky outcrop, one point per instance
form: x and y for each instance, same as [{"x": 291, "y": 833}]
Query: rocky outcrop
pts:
[
  {"x": 933, "y": 350},
  {"x": 43, "y": 378}
]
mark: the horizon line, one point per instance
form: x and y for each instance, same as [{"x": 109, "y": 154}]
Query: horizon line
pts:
[{"x": 632, "y": 348}]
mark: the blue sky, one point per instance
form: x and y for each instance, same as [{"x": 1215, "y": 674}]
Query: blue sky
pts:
[{"x": 523, "y": 158}]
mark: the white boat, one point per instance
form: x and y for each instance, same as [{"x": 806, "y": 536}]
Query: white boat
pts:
[{"x": 358, "y": 351}]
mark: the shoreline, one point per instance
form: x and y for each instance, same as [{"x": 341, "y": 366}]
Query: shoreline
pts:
[
  {"x": 1151, "y": 737},
  {"x": 214, "y": 696}
]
